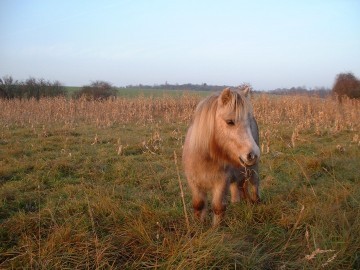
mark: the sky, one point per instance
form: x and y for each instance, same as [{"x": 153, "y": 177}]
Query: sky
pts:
[{"x": 269, "y": 44}]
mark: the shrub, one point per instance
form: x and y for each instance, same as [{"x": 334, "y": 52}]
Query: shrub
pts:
[
  {"x": 98, "y": 90},
  {"x": 346, "y": 84}
]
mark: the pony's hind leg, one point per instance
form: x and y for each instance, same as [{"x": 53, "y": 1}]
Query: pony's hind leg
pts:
[{"x": 199, "y": 204}]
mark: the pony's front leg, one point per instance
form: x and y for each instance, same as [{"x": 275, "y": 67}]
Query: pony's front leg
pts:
[
  {"x": 250, "y": 186},
  {"x": 254, "y": 193},
  {"x": 199, "y": 204},
  {"x": 235, "y": 192},
  {"x": 218, "y": 202},
  {"x": 249, "y": 191},
  {"x": 254, "y": 182}
]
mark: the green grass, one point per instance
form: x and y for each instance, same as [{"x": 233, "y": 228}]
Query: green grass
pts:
[
  {"x": 133, "y": 93},
  {"x": 136, "y": 92},
  {"x": 71, "y": 89},
  {"x": 70, "y": 199}
]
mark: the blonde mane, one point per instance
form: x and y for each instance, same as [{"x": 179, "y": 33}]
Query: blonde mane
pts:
[{"x": 203, "y": 127}]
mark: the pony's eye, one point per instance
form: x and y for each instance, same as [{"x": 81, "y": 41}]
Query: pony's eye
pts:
[{"x": 230, "y": 122}]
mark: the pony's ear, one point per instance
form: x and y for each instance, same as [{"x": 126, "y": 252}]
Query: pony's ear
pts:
[
  {"x": 246, "y": 91},
  {"x": 225, "y": 96}
]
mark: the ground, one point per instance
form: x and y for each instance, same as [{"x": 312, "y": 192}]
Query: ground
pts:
[{"x": 95, "y": 185}]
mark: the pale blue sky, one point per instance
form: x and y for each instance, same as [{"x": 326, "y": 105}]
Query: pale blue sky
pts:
[{"x": 269, "y": 44}]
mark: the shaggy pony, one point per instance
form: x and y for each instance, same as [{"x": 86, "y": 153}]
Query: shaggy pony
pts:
[{"x": 221, "y": 152}]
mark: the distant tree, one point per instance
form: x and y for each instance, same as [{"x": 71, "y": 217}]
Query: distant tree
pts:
[
  {"x": 40, "y": 88},
  {"x": 31, "y": 89},
  {"x": 346, "y": 84},
  {"x": 57, "y": 88},
  {"x": 9, "y": 88},
  {"x": 98, "y": 90}
]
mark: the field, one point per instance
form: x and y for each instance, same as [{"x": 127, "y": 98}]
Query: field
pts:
[
  {"x": 95, "y": 185},
  {"x": 136, "y": 92}
]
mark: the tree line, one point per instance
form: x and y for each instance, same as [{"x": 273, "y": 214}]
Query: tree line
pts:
[
  {"x": 303, "y": 91},
  {"x": 321, "y": 92},
  {"x": 187, "y": 87},
  {"x": 30, "y": 88},
  {"x": 40, "y": 88},
  {"x": 346, "y": 84}
]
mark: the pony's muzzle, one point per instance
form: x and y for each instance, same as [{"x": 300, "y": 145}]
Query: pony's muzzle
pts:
[{"x": 249, "y": 160}]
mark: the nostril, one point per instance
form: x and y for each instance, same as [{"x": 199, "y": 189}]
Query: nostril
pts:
[{"x": 251, "y": 156}]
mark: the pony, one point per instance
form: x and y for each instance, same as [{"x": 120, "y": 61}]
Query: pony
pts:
[{"x": 221, "y": 152}]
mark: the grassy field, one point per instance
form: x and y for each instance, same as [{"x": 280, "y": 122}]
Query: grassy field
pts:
[
  {"x": 156, "y": 93},
  {"x": 94, "y": 185},
  {"x": 136, "y": 92}
]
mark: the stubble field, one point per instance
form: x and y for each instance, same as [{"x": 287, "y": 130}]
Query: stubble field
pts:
[{"x": 95, "y": 185}]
